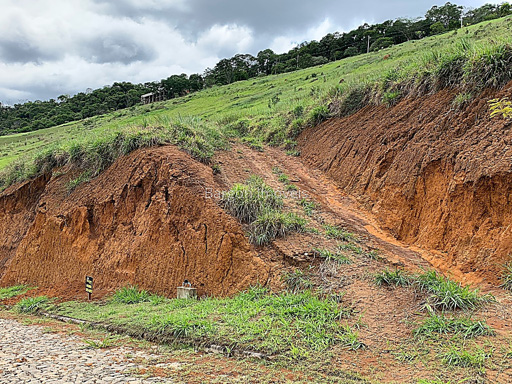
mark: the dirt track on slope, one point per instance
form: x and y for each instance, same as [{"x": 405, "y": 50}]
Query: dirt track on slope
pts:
[{"x": 433, "y": 176}]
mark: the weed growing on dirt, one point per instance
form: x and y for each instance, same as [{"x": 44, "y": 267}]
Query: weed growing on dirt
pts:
[
  {"x": 130, "y": 295},
  {"x": 258, "y": 204},
  {"x": 338, "y": 233},
  {"x": 351, "y": 247},
  {"x": 104, "y": 343},
  {"x": 293, "y": 153},
  {"x": 461, "y": 100},
  {"x": 250, "y": 200},
  {"x": 501, "y": 107},
  {"x": 350, "y": 339},
  {"x": 446, "y": 294},
  {"x": 506, "y": 277},
  {"x": 333, "y": 256},
  {"x": 374, "y": 255},
  {"x": 297, "y": 281},
  {"x": 84, "y": 177},
  {"x": 272, "y": 224},
  {"x": 283, "y": 178},
  {"x": 8, "y": 292},
  {"x": 456, "y": 356},
  {"x": 396, "y": 278},
  {"x": 308, "y": 206},
  {"x": 31, "y": 304},
  {"x": 464, "y": 326}
]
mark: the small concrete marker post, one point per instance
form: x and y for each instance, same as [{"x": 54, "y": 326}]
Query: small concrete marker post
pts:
[
  {"x": 88, "y": 286},
  {"x": 186, "y": 291}
]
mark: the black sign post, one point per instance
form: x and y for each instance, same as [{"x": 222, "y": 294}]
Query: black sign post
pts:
[{"x": 88, "y": 286}]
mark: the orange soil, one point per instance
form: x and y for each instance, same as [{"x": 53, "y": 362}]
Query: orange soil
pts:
[
  {"x": 144, "y": 221},
  {"x": 434, "y": 177}
]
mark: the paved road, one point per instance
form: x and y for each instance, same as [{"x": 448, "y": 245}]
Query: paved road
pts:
[{"x": 30, "y": 356}]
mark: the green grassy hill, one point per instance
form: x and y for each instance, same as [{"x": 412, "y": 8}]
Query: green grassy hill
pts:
[{"x": 270, "y": 109}]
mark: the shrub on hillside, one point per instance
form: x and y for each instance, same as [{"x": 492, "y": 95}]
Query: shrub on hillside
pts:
[
  {"x": 248, "y": 201},
  {"x": 318, "y": 114},
  {"x": 273, "y": 224}
]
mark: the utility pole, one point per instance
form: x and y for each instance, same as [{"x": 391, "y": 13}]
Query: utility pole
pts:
[{"x": 368, "y": 50}]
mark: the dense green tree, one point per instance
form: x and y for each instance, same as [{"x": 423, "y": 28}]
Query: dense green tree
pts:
[
  {"x": 334, "y": 46},
  {"x": 449, "y": 15},
  {"x": 380, "y": 43}
]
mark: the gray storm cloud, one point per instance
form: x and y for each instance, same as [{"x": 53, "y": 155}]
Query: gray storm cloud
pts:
[
  {"x": 51, "y": 47},
  {"x": 115, "y": 49},
  {"x": 22, "y": 50}
]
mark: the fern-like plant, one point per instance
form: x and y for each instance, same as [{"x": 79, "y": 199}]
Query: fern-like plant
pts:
[{"x": 501, "y": 107}]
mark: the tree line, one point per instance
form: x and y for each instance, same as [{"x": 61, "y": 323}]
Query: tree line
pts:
[{"x": 38, "y": 114}]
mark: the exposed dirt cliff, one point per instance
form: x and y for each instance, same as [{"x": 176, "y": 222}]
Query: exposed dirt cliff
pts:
[
  {"x": 434, "y": 176},
  {"x": 144, "y": 221}
]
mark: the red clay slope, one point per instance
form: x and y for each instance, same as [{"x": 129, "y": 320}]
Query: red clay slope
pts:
[
  {"x": 144, "y": 221},
  {"x": 435, "y": 177}
]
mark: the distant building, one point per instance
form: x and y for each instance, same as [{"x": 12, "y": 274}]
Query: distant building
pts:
[{"x": 152, "y": 97}]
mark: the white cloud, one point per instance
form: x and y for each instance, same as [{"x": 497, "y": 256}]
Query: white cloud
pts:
[
  {"x": 284, "y": 43},
  {"x": 225, "y": 37},
  {"x": 50, "y": 47}
]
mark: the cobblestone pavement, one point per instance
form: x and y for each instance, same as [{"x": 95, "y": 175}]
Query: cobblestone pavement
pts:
[{"x": 28, "y": 355}]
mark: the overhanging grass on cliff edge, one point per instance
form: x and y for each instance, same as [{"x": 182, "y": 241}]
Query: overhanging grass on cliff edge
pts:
[
  {"x": 94, "y": 154},
  {"x": 471, "y": 58}
]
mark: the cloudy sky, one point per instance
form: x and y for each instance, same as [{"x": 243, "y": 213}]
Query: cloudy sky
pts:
[{"x": 54, "y": 47}]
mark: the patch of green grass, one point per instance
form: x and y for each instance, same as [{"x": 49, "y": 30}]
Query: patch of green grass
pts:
[
  {"x": 31, "y": 304},
  {"x": 351, "y": 247},
  {"x": 272, "y": 224},
  {"x": 252, "y": 320},
  {"x": 283, "y": 178},
  {"x": 308, "y": 206},
  {"x": 131, "y": 295},
  {"x": 396, "y": 278},
  {"x": 338, "y": 233},
  {"x": 446, "y": 294},
  {"x": 104, "y": 343},
  {"x": 93, "y": 154},
  {"x": 456, "y": 356},
  {"x": 443, "y": 293},
  {"x": 506, "y": 277},
  {"x": 333, "y": 256},
  {"x": 84, "y": 177},
  {"x": 8, "y": 292},
  {"x": 250, "y": 200},
  {"x": 462, "y": 99},
  {"x": 464, "y": 326},
  {"x": 203, "y": 123},
  {"x": 297, "y": 281}
]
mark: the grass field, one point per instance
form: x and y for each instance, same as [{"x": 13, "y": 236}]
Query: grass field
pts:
[{"x": 273, "y": 109}]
